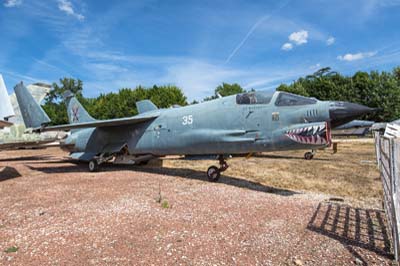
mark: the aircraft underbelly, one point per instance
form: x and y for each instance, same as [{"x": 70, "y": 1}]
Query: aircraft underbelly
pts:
[{"x": 202, "y": 141}]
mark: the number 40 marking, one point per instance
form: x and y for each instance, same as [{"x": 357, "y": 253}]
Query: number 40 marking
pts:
[{"x": 187, "y": 120}]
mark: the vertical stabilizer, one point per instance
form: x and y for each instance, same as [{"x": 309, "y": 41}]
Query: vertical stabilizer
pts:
[
  {"x": 145, "y": 106},
  {"x": 76, "y": 112},
  {"x": 32, "y": 113},
  {"x": 6, "y": 109}
]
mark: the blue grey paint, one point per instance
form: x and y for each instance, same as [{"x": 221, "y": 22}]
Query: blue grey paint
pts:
[
  {"x": 31, "y": 112},
  {"x": 238, "y": 124},
  {"x": 220, "y": 126}
]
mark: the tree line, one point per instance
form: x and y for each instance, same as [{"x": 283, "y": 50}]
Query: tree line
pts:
[{"x": 374, "y": 89}]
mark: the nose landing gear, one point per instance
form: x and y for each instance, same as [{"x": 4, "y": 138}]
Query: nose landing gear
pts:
[
  {"x": 214, "y": 173},
  {"x": 309, "y": 155}
]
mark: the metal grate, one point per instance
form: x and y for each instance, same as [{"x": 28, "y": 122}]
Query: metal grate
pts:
[{"x": 388, "y": 155}]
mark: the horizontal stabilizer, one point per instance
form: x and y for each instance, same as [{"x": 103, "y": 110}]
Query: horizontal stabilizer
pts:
[
  {"x": 145, "y": 106},
  {"x": 100, "y": 123}
]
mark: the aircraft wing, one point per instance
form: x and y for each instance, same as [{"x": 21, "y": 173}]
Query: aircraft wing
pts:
[
  {"x": 100, "y": 123},
  {"x": 356, "y": 124},
  {"x": 29, "y": 144}
]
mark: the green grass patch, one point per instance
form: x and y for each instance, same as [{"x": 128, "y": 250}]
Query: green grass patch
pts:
[
  {"x": 165, "y": 204},
  {"x": 11, "y": 250}
]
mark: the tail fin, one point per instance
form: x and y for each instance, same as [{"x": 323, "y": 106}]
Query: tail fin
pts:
[
  {"x": 32, "y": 113},
  {"x": 76, "y": 112},
  {"x": 6, "y": 109},
  {"x": 145, "y": 106}
]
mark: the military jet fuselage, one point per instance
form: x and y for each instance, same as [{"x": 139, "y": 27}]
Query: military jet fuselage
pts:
[
  {"x": 240, "y": 124},
  {"x": 230, "y": 125}
]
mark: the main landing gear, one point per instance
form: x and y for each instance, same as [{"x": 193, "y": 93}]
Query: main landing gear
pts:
[
  {"x": 94, "y": 164},
  {"x": 310, "y": 154},
  {"x": 214, "y": 173}
]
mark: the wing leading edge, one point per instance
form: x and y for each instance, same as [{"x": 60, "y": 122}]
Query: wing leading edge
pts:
[{"x": 100, "y": 123}]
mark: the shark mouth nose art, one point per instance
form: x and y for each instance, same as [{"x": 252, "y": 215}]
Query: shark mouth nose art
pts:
[{"x": 314, "y": 134}]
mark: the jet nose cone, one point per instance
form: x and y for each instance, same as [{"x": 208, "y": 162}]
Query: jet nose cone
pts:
[{"x": 344, "y": 112}]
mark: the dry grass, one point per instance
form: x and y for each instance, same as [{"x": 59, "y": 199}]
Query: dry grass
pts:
[{"x": 350, "y": 173}]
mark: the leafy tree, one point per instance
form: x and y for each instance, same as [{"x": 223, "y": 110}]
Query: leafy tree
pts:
[
  {"x": 375, "y": 89},
  {"x": 123, "y": 103},
  {"x": 54, "y": 103},
  {"x": 225, "y": 89},
  {"x": 109, "y": 105}
]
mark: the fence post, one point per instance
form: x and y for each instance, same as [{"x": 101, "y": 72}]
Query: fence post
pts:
[
  {"x": 395, "y": 194},
  {"x": 388, "y": 159}
]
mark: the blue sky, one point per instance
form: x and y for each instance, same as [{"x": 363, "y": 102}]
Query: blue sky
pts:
[{"x": 193, "y": 44}]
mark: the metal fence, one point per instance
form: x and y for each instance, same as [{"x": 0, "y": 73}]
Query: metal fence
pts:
[{"x": 388, "y": 157}]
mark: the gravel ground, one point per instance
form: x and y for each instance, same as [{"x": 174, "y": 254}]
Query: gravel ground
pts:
[{"x": 53, "y": 212}]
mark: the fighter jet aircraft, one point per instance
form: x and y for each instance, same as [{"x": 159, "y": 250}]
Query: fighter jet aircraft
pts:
[
  {"x": 12, "y": 137},
  {"x": 240, "y": 124}
]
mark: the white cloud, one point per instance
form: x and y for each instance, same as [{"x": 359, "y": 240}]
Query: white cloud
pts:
[
  {"x": 353, "y": 57},
  {"x": 287, "y": 46},
  {"x": 299, "y": 37},
  {"x": 12, "y": 3},
  {"x": 331, "y": 40},
  {"x": 66, "y": 6},
  {"x": 316, "y": 66},
  {"x": 388, "y": 3},
  {"x": 252, "y": 29}
]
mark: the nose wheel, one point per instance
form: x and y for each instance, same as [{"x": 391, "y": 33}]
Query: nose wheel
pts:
[
  {"x": 309, "y": 155},
  {"x": 214, "y": 172}
]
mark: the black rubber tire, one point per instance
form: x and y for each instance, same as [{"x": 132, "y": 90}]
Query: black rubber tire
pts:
[
  {"x": 213, "y": 173},
  {"x": 93, "y": 166},
  {"x": 308, "y": 156}
]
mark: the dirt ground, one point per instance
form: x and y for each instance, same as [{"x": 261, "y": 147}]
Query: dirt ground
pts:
[
  {"x": 351, "y": 173},
  {"x": 54, "y": 212}
]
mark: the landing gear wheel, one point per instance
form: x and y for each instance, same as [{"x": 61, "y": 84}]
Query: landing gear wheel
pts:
[
  {"x": 308, "y": 155},
  {"x": 213, "y": 173},
  {"x": 93, "y": 166}
]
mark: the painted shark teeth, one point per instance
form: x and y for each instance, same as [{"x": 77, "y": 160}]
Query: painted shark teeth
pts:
[{"x": 314, "y": 135}]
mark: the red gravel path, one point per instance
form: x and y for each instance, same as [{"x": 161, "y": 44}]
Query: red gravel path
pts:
[{"x": 56, "y": 213}]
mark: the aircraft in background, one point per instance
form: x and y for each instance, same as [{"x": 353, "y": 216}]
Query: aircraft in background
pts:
[
  {"x": 12, "y": 136},
  {"x": 240, "y": 124},
  {"x": 353, "y": 128},
  {"x": 6, "y": 109}
]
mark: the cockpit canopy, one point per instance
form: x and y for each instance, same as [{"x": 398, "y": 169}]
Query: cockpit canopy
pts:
[
  {"x": 254, "y": 98},
  {"x": 288, "y": 99},
  {"x": 283, "y": 99}
]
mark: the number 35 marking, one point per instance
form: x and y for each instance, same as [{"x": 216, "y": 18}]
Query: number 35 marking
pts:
[{"x": 187, "y": 120}]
